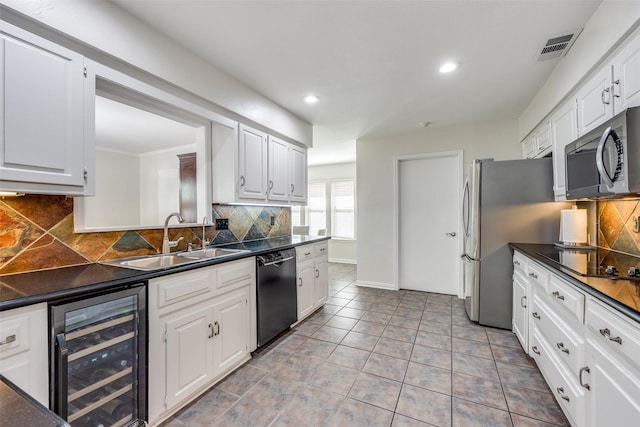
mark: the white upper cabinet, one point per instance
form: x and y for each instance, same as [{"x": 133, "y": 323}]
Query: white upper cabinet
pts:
[
  {"x": 268, "y": 169},
  {"x": 626, "y": 76},
  {"x": 564, "y": 129},
  {"x": 278, "y": 170},
  {"x": 252, "y": 164},
  {"x": 44, "y": 145},
  {"x": 538, "y": 143},
  {"x": 595, "y": 102},
  {"x": 298, "y": 162}
]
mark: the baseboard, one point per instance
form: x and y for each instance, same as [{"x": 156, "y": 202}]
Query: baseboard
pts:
[
  {"x": 343, "y": 261},
  {"x": 377, "y": 285}
]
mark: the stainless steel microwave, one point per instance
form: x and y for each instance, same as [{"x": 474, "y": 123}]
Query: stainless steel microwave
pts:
[{"x": 605, "y": 162}]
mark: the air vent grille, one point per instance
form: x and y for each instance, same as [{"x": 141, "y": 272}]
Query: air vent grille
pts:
[{"x": 557, "y": 46}]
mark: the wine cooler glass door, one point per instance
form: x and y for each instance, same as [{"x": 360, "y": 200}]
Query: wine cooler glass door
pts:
[{"x": 97, "y": 357}]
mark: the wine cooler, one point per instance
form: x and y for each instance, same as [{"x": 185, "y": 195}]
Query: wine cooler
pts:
[{"x": 98, "y": 359}]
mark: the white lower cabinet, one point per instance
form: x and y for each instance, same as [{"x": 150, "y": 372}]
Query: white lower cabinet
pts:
[
  {"x": 520, "y": 308},
  {"x": 312, "y": 277},
  {"x": 24, "y": 350},
  {"x": 586, "y": 351},
  {"x": 199, "y": 331}
]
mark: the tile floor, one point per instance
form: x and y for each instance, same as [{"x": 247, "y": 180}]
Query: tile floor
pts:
[{"x": 373, "y": 357}]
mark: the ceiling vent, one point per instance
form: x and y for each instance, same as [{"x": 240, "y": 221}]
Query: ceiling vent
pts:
[{"x": 557, "y": 46}]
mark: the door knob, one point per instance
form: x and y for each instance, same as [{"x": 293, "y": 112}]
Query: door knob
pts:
[{"x": 452, "y": 234}]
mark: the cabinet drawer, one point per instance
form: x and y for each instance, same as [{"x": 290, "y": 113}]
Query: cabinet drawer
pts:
[
  {"x": 563, "y": 337},
  {"x": 537, "y": 276},
  {"x": 519, "y": 263},
  {"x": 14, "y": 335},
  {"x": 565, "y": 389},
  {"x": 613, "y": 330},
  {"x": 304, "y": 252},
  {"x": 235, "y": 274},
  {"x": 321, "y": 249},
  {"x": 179, "y": 287},
  {"x": 567, "y": 296}
]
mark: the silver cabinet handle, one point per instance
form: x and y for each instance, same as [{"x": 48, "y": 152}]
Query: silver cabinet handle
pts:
[
  {"x": 299, "y": 281},
  {"x": 607, "y": 334},
  {"x": 522, "y": 301},
  {"x": 452, "y": 234},
  {"x": 270, "y": 184},
  {"x": 516, "y": 262},
  {"x": 317, "y": 274},
  {"x": 562, "y": 348},
  {"x": 616, "y": 83},
  {"x": 582, "y": 383},
  {"x": 242, "y": 181},
  {"x": 8, "y": 340},
  {"x": 535, "y": 315},
  {"x": 217, "y": 325},
  {"x": 535, "y": 350},
  {"x": 608, "y": 101},
  {"x": 292, "y": 188},
  {"x": 307, "y": 253},
  {"x": 534, "y": 275},
  {"x": 211, "y": 334},
  {"x": 562, "y": 395},
  {"x": 557, "y": 295}
]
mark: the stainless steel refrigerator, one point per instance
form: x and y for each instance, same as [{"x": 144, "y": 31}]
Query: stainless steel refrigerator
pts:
[{"x": 504, "y": 201}]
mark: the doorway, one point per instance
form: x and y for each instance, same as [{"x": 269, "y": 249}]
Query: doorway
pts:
[{"x": 428, "y": 188}]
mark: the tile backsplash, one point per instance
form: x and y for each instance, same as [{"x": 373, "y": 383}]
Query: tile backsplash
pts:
[
  {"x": 616, "y": 225},
  {"x": 36, "y": 233}
]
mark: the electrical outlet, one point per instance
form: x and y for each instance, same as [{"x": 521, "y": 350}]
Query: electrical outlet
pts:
[
  {"x": 273, "y": 220},
  {"x": 222, "y": 223}
]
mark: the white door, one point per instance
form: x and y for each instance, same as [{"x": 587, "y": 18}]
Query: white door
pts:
[
  {"x": 278, "y": 170},
  {"x": 231, "y": 329},
  {"x": 429, "y": 188},
  {"x": 252, "y": 167}
]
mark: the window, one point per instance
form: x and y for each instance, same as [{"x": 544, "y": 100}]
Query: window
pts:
[{"x": 330, "y": 206}]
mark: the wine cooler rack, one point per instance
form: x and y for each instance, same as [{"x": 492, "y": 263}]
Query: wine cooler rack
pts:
[{"x": 101, "y": 373}]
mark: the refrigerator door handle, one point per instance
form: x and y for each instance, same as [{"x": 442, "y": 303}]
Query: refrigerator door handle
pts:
[{"x": 62, "y": 354}]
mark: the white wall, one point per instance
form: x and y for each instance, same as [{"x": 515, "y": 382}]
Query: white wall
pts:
[
  {"x": 104, "y": 26},
  {"x": 117, "y": 202},
  {"x": 604, "y": 30},
  {"x": 375, "y": 195},
  {"x": 339, "y": 250}
]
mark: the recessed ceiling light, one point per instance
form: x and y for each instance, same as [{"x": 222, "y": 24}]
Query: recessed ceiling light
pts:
[
  {"x": 448, "y": 67},
  {"x": 311, "y": 99}
]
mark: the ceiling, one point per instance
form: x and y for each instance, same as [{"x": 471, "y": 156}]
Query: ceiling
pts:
[{"x": 374, "y": 64}]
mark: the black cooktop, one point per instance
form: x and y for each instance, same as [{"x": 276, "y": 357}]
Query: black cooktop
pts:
[{"x": 596, "y": 262}]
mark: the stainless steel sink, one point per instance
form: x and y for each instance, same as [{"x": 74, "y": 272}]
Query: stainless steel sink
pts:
[
  {"x": 156, "y": 262},
  {"x": 211, "y": 253}
]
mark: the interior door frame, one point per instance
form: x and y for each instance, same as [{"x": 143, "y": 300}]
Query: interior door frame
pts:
[{"x": 458, "y": 154}]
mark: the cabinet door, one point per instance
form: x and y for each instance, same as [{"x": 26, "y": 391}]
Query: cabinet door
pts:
[
  {"x": 278, "y": 170},
  {"x": 321, "y": 280},
  {"x": 298, "y": 175},
  {"x": 520, "y": 310},
  {"x": 41, "y": 113},
  {"x": 529, "y": 147},
  {"x": 614, "y": 389},
  {"x": 626, "y": 76},
  {"x": 24, "y": 349},
  {"x": 252, "y": 167},
  {"x": 306, "y": 285},
  {"x": 230, "y": 329},
  {"x": 564, "y": 129},
  {"x": 543, "y": 139},
  {"x": 189, "y": 350},
  {"x": 595, "y": 104}
]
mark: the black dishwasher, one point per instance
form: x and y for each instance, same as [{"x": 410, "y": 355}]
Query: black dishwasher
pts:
[{"x": 277, "y": 301}]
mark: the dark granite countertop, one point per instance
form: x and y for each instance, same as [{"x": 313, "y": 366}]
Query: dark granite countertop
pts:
[
  {"x": 622, "y": 295},
  {"x": 20, "y": 289},
  {"x": 20, "y": 409}
]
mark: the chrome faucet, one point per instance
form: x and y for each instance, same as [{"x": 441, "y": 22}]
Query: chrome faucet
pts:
[
  {"x": 166, "y": 243},
  {"x": 205, "y": 242}
]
